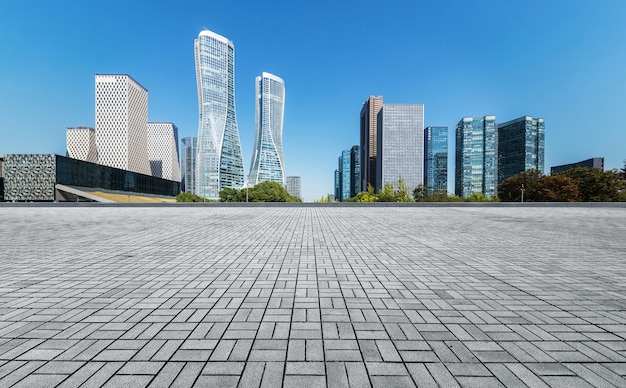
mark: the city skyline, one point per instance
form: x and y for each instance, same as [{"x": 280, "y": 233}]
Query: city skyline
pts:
[{"x": 422, "y": 65}]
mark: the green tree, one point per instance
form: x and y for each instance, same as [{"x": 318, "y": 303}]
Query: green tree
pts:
[
  {"x": 189, "y": 197},
  {"x": 230, "y": 194},
  {"x": 420, "y": 193},
  {"x": 268, "y": 191},
  {"x": 365, "y": 196},
  {"x": 595, "y": 185},
  {"x": 511, "y": 189},
  {"x": 386, "y": 194},
  {"x": 479, "y": 197},
  {"x": 402, "y": 194},
  {"x": 557, "y": 188},
  {"x": 441, "y": 196}
]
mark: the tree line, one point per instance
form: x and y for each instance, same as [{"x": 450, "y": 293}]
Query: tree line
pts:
[
  {"x": 581, "y": 184},
  {"x": 419, "y": 194},
  {"x": 267, "y": 191}
]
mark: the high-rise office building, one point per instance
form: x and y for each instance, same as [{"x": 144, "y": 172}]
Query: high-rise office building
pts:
[
  {"x": 347, "y": 175},
  {"x": 368, "y": 130},
  {"x": 81, "y": 144},
  {"x": 436, "y": 159},
  {"x": 267, "y": 154},
  {"x": 476, "y": 164},
  {"x": 344, "y": 165},
  {"x": 219, "y": 161},
  {"x": 520, "y": 146},
  {"x": 188, "y": 164},
  {"x": 163, "y": 150},
  {"x": 338, "y": 181},
  {"x": 590, "y": 163},
  {"x": 122, "y": 123},
  {"x": 355, "y": 170},
  {"x": 294, "y": 186},
  {"x": 400, "y": 153}
]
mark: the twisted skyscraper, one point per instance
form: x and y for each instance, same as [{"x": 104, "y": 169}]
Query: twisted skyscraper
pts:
[
  {"x": 267, "y": 155},
  {"x": 219, "y": 162}
]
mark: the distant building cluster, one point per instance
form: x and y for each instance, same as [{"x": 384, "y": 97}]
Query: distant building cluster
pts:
[
  {"x": 396, "y": 147},
  {"x": 218, "y": 158},
  {"x": 123, "y": 138}
]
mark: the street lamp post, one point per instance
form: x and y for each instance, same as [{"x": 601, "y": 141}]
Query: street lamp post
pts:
[{"x": 522, "y": 193}]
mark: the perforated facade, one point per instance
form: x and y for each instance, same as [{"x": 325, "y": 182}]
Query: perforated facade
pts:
[
  {"x": 81, "y": 144},
  {"x": 122, "y": 123},
  {"x": 163, "y": 150},
  {"x": 267, "y": 154},
  {"x": 219, "y": 159}
]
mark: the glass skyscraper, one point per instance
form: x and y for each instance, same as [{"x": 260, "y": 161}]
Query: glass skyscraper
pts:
[
  {"x": 188, "y": 164},
  {"x": 436, "y": 159},
  {"x": 348, "y": 174},
  {"x": 400, "y": 144},
  {"x": 219, "y": 160},
  {"x": 368, "y": 133},
  {"x": 344, "y": 165},
  {"x": 355, "y": 170},
  {"x": 267, "y": 154},
  {"x": 520, "y": 146},
  {"x": 476, "y": 165}
]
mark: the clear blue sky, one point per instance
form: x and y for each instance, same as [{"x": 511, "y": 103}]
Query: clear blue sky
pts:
[{"x": 564, "y": 61}]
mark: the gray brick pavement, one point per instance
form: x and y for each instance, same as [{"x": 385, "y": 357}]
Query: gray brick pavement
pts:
[{"x": 312, "y": 296}]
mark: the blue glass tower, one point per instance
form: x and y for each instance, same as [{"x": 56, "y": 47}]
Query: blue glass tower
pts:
[
  {"x": 520, "y": 146},
  {"x": 476, "y": 166},
  {"x": 219, "y": 161},
  {"x": 436, "y": 159},
  {"x": 345, "y": 175}
]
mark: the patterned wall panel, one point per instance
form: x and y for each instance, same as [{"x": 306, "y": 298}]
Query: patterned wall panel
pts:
[{"x": 29, "y": 177}]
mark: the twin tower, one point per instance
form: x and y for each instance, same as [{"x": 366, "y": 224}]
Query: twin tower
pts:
[{"x": 219, "y": 162}]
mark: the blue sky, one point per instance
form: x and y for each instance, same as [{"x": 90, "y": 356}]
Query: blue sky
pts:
[{"x": 564, "y": 61}]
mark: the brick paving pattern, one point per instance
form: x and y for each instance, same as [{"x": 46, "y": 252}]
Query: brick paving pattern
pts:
[{"x": 312, "y": 297}]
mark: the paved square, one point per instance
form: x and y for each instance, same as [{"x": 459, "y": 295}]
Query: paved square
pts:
[{"x": 312, "y": 296}]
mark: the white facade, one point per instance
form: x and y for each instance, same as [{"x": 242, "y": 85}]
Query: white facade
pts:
[
  {"x": 294, "y": 186},
  {"x": 81, "y": 144},
  {"x": 267, "y": 153},
  {"x": 163, "y": 151},
  {"x": 400, "y": 145},
  {"x": 219, "y": 161},
  {"x": 122, "y": 123}
]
